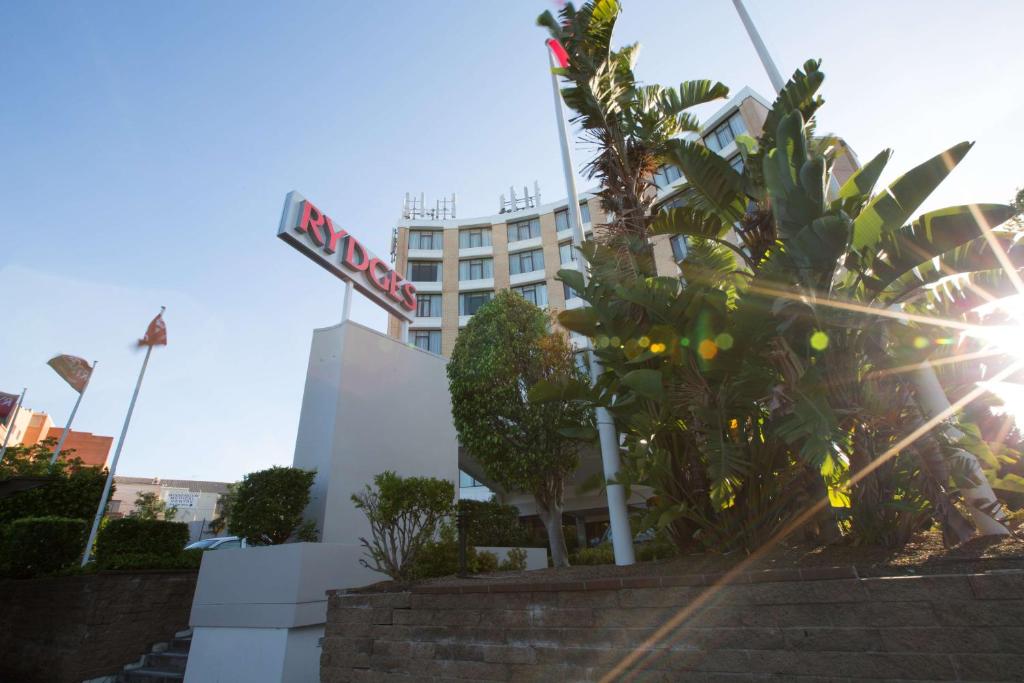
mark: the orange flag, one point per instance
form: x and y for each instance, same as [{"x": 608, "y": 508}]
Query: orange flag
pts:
[{"x": 156, "y": 333}]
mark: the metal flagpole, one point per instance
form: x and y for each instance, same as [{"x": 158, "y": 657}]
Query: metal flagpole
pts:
[
  {"x": 10, "y": 427},
  {"x": 622, "y": 536},
  {"x": 762, "y": 51},
  {"x": 71, "y": 418},
  {"x": 113, "y": 463}
]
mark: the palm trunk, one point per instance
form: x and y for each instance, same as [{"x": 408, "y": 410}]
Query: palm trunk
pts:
[{"x": 549, "y": 508}]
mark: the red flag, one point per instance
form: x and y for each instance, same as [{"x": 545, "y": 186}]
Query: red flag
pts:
[
  {"x": 156, "y": 333},
  {"x": 561, "y": 56},
  {"x": 73, "y": 370},
  {"x": 7, "y": 403}
]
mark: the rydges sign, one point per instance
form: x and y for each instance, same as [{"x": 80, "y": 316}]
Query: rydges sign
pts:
[{"x": 313, "y": 233}]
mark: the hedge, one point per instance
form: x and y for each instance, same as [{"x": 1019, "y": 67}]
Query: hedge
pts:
[
  {"x": 133, "y": 536},
  {"x": 33, "y": 546},
  {"x": 184, "y": 559}
]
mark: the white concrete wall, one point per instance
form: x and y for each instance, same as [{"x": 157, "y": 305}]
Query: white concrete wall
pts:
[{"x": 370, "y": 404}]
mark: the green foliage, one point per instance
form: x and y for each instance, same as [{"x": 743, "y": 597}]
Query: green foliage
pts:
[
  {"x": 440, "y": 557},
  {"x": 74, "y": 490},
  {"x": 486, "y": 562},
  {"x": 34, "y": 546},
  {"x": 765, "y": 380},
  {"x": 515, "y": 561},
  {"x": 226, "y": 506},
  {"x": 133, "y": 536},
  {"x": 268, "y": 505},
  {"x": 503, "y": 352},
  {"x": 404, "y": 514},
  {"x": 149, "y": 506},
  {"x": 183, "y": 560},
  {"x": 491, "y": 524},
  {"x": 599, "y": 554}
]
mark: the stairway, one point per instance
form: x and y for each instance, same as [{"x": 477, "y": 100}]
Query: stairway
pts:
[{"x": 164, "y": 663}]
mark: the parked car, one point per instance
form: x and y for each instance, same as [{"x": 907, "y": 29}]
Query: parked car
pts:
[{"x": 218, "y": 543}]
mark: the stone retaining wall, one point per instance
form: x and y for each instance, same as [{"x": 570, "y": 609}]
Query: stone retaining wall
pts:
[
  {"x": 77, "y": 627},
  {"x": 814, "y": 626}
]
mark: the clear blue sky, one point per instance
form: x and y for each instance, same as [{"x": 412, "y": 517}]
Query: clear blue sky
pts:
[{"x": 146, "y": 148}]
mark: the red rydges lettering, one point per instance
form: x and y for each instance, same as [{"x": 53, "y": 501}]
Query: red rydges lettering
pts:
[{"x": 353, "y": 257}]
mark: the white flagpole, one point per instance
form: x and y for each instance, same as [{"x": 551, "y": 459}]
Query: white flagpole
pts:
[
  {"x": 71, "y": 418},
  {"x": 762, "y": 50},
  {"x": 113, "y": 463},
  {"x": 10, "y": 426},
  {"x": 622, "y": 536}
]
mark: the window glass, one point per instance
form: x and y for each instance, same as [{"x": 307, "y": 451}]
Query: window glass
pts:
[
  {"x": 476, "y": 268},
  {"x": 466, "y": 481},
  {"x": 737, "y": 163},
  {"x": 666, "y": 175},
  {"x": 235, "y": 543},
  {"x": 526, "y": 261},
  {"x": 585, "y": 212},
  {"x": 474, "y": 237},
  {"x": 425, "y": 239},
  {"x": 566, "y": 254},
  {"x": 678, "y": 247},
  {"x": 428, "y": 340},
  {"x": 725, "y": 132},
  {"x": 569, "y": 292},
  {"x": 470, "y": 302},
  {"x": 424, "y": 271},
  {"x": 524, "y": 230},
  {"x": 428, "y": 305},
  {"x": 561, "y": 220},
  {"x": 536, "y": 294}
]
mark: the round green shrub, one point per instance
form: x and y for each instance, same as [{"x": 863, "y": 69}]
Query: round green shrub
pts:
[
  {"x": 133, "y": 536},
  {"x": 33, "y": 546},
  {"x": 601, "y": 554}
]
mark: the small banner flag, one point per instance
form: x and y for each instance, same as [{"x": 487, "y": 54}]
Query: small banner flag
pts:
[
  {"x": 561, "y": 56},
  {"x": 7, "y": 403},
  {"x": 156, "y": 333},
  {"x": 73, "y": 370}
]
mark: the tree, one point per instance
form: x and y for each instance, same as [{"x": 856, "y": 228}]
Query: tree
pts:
[
  {"x": 269, "y": 505},
  {"x": 74, "y": 490},
  {"x": 225, "y": 508},
  {"x": 149, "y": 506},
  {"x": 503, "y": 352},
  {"x": 404, "y": 513}
]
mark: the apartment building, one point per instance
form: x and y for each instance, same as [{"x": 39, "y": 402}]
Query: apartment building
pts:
[
  {"x": 32, "y": 427},
  {"x": 458, "y": 264}
]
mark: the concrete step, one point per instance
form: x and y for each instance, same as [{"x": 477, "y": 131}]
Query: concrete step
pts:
[
  {"x": 148, "y": 675},
  {"x": 167, "y": 660}
]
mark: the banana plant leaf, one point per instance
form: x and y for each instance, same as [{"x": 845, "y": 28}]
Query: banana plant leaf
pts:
[{"x": 890, "y": 209}]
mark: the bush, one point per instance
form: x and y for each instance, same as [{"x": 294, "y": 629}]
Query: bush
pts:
[
  {"x": 268, "y": 505},
  {"x": 441, "y": 557},
  {"x": 33, "y": 546},
  {"x": 491, "y": 524},
  {"x": 486, "y": 562},
  {"x": 73, "y": 493},
  {"x": 601, "y": 554},
  {"x": 515, "y": 562},
  {"x": 134, "y": 536},
  {"x": 184, "y": 559},
  {"x": 404, "y": 514}
]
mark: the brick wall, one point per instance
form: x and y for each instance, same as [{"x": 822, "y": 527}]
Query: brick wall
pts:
[
  {"x": 816, "y": 626},
  {"x": 77, "y": 627}
]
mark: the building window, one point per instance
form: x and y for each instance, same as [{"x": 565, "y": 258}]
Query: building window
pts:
[
  {"x": 524, "y": 230},
  {"x": 561, "y": 220},
  {"x": 425, "y": 239},
  {"x": 428, "y": 305},
  {"x": 737, "y": 163},
  {"x": 470, "y": 302},
  {"x": 474, "y": 237},
  {"x": 428, "y": 340},
  {"x": 536, "y": 294},
  {"x": 476, "y": 268},
  {"x": 526, "y": 261},
  {"x": 666, "y": 175},
  {"x": 725, "y": 132},
  {"x": 466, "y": 481},
  {"x": 424, "y": 271},
  {"x": 569, "y": 292},
  {"x": 566, "y": 254},
  {"x": 678, "y": 247}
]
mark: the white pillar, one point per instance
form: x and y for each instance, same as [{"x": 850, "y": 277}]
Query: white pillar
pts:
[
  {"x": 618, "y": 514},
  {"x": 762, "y": 51}
]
